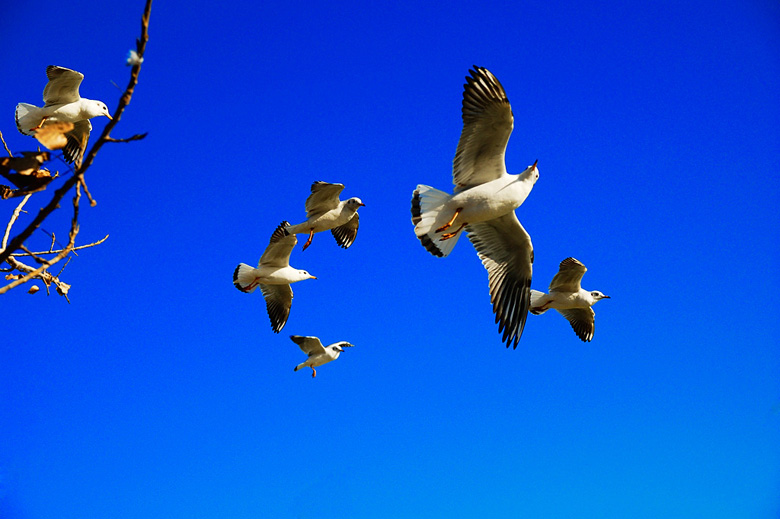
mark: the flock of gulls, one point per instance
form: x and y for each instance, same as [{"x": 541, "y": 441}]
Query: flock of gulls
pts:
[{"x": 482, "y": 204}]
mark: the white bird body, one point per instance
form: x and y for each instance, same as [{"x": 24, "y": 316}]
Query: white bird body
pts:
[
  {"x": 483, "y": 203},
  {"x": 276, "y": 275},
  {"x": 563, "y": 300},
  {"x": 62, "y": 103},
  {"x": 318, "y": 354},
  {"x": 65, "y": 112},
  {"x": 325, "y": 212},
  {"x": 273, "y": 275},
  {"x": 336, "y": 217},
  {"x": 570, "y": 299}
]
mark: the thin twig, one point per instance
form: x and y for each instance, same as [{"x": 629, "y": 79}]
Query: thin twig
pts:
[
  {"x": 86, "y": 190},
  {"x": 6, "y": 145},
  {"x": 21, "y": 254},
  {"x": 62, "y": 288},
  {"x": 14, "y": 216},
  {"x": 136, "y": 137},
  {"x": 63, "y": 267}
]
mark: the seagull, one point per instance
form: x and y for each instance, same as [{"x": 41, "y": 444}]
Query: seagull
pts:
[
  {"x": 318, "y": 354},
  {"x": 324, "y": 211},
  {"x": 63, "y": 103},
  {"x": 483, "y": 203},
  {"x": 273, "y": 275},
  {"x": 570, "y": 299}
]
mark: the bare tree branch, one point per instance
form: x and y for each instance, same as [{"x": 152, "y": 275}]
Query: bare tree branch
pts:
[
  {"x": 28, "y": 253},
  {"x": 6, "y": 145},
  {"x": 14, "y": 216},
  {"x": 46, "y": 277},
  {"x": 17, "y": 242}
]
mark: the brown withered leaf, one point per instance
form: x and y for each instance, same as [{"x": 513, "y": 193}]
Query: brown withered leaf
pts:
[
  {"x": 52, "y": 134},
  {"x": 24, "y": 173},
  {"x": 27, "y": 164}
]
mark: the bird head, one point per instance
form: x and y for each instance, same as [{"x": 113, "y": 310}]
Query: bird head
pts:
[
  {"x": 305, "y": 275},
  {"x": 354, "y": 202},
  {"x": 598, "y": 296},
  {"x": 98, "y": 108},
  {"x": 531, "y": 173}
]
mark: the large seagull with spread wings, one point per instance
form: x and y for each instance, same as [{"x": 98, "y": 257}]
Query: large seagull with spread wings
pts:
[{"x": 483, "y": 203}]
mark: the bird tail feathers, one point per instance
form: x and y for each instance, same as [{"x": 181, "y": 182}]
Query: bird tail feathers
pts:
[
  {"x": 536, "y": 302},
  {"x": 27, "y": 117},
  {"x": 244, "y": 279},
  {"x": 427, "y": 203}
]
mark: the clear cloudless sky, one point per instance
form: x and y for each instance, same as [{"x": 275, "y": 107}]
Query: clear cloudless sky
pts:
[{"x": 161, "y": 391}]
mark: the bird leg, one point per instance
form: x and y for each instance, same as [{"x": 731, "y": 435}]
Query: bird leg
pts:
[
  {"x": 452, "y": 220},
  {"x": 313, "y": 372},
  {"x": 449, "y": 235},
  {"x": 308, "y": 242},
  {"x": 249, "y": 287},
  {"x": 539, "y": 309},
  {"x": 40, "y": 124}
]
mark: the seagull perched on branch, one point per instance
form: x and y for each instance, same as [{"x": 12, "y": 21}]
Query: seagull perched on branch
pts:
[
  {"x": 483, "y": 203},
  {"x": 273, "y": 275},
  {"x": 318, "y": 354},
  {"x": 324, "y": 211},
  {"x": 62, "y": 103},
  {"x": 570, "y": 299}
]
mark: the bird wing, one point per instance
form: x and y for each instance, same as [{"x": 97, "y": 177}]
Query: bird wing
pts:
[
  {"x": 278, "y": 300},
  {"x": 568, "y": 277},
  {"x": 323, "y": 198},
  {"x": 77, "y": 142},
  {"x": 63, "y": 85},
  {"x": 345, "y": 234},
  {"x": 507, "y": 253},
  {"x": 487, "y": 124},
  {"x": 582, "y": 320},
  {"x": 309, "y": 345},
  {"x": 277, "y": 254}
]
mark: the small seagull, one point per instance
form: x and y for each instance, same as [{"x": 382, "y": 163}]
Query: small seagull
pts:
[
  {"x": 324, "y": 211},
  {"x": 273, "y": 275},
  {"x": 318, "y": 354},
  {"x": 483, "y": 203},
  {"x": 570, "y": 299},
  {"x": 62, "y": 103}
]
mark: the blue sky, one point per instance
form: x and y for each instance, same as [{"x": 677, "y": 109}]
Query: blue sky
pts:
[{"x": 160, "y": 391}]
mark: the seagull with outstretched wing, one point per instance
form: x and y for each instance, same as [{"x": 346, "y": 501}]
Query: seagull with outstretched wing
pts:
[
  {"x": 62, "y": 103},
  {"x": 325, "y": 212},
  {"x": 318, "y": 354},
  {"x": 570, "y": 299},
  {"x": 273, "y": 275},
  {"x": 483, "y": 203}
]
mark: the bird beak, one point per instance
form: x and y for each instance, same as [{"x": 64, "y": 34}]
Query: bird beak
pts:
[
  {"x": 110, "y": 118},
  {"x": 314, "y": 277},
  {"x": 362, "y": 205},
  {"x": 607, "y": 297},
  {"x": 535, "y": 162}
]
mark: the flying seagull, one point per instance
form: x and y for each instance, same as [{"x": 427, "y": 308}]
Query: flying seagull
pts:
[
  {"x": 324, "y": 211},
  {"x": 570, "y": 299},
  {"x": 318, "y": 354},
  {"x": 62, "y": 103},
  {"x": 273, "y": 275},
  {"x": 483, "y": 203}
]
